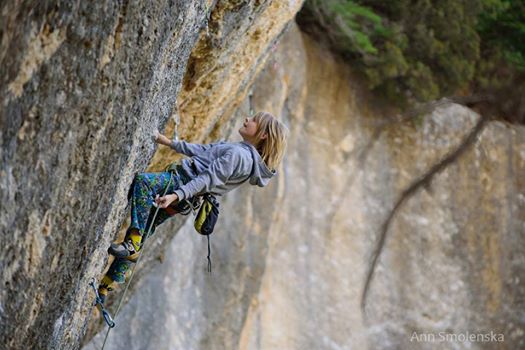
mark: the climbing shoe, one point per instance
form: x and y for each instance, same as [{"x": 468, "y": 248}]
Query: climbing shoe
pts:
[
  {"x": 123, "y": 250},
  {"x": 130, "y": 246}
]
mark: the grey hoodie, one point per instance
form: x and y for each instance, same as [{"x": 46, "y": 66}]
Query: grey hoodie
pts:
[{"x": 220, "y": 167}]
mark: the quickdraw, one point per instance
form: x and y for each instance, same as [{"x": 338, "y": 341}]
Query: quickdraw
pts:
[{"x": 98, "y": 301}]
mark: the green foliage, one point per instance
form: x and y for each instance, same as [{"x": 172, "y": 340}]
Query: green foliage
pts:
[
  {"x": 502, "y": 27},
  {"x": 355, "y": 23},
  {"x": 419, "y": 50}
]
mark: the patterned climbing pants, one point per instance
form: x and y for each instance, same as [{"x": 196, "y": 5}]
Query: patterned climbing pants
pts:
[{"x": 141, "y": 195}]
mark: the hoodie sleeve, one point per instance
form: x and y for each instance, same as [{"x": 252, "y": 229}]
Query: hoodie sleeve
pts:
[
  {"x": 190, "y": 149},
  {"x": 218, "y": 173}
]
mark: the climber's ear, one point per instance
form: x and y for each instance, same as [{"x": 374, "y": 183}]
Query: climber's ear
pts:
[{"x": 264, "y": 136}]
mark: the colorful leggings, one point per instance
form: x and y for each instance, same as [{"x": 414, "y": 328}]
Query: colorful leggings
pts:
[{"x": 142, "y": 194}]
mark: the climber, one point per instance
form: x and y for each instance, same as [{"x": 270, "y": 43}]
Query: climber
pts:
[{"x": 214, "y": 168}]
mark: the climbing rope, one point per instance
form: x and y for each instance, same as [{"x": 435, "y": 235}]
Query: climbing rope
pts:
[
  {"x": 207, "y": 18},
  {"x": 250, "y": 101},
  {"x": 138, "y": 260},
  {"x": 176, "y": 120}
]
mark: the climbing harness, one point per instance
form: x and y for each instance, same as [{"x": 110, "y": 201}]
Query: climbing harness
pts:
[
  {"x": 133, "y": 269},
  {"x": 98, "y": 301}
]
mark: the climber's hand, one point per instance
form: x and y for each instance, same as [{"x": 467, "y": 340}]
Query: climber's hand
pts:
[
  {"x": 163, "y": 140},
  {"x": 164, "y": 202},
  {"x": 155, "y": 135}
]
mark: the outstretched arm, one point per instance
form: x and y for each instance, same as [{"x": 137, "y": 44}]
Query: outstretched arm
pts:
[{"x": 189, "y": 149}]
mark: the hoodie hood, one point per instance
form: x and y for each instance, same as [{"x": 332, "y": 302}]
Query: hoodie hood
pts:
[{"x": 261, "y": 175}]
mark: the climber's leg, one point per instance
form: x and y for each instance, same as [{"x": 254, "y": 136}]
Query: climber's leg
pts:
[
  {"x": 144, "y": 188},
  {"x": 115, "y": 275},
  {"x": 133, "y": 236},
  {"x": 118, "y": 270},
  {"x": 142, "y": 193}
]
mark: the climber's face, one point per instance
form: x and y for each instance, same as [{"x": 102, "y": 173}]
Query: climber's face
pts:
[{"x": 248, "y": 130}]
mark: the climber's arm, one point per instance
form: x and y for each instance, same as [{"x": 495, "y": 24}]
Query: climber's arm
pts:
[
  {"x": 189, "y": 149},
  {"x": 217, "y": 174},
  {"x": 161, "y": 139}
]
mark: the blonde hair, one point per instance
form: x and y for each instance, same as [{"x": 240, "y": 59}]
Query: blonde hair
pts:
[{"x": 271, "y": 148}]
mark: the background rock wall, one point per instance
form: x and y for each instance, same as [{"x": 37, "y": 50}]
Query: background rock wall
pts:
[{"x": 290, "y": 260}]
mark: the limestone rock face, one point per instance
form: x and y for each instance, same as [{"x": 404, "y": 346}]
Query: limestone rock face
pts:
[
  {"x": 83, "y": 83},
  {"x": 290, "y": 260}
]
